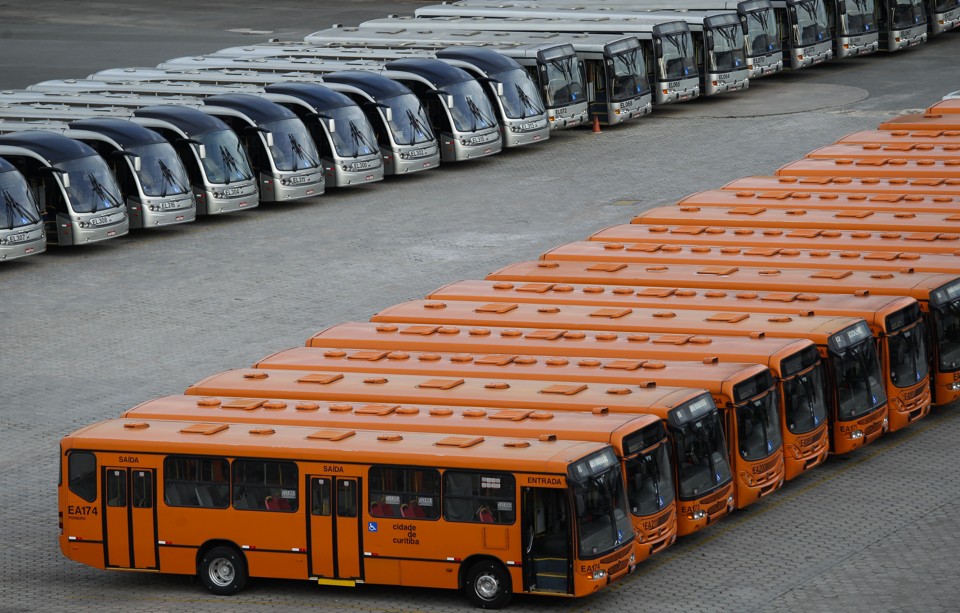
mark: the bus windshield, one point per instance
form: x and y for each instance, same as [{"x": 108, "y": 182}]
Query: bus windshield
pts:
[
  {"x": 650, "y": 486},
  {"x": 352, "y": 135},
  {"x": 600, "y": 504},
  {"x": 947, "y": 323},
  {"x": 762, "y": 32},
  {"x": 908, "y": 355},
  {"x": 811, "y": 22},
  {"x": 942, "y": 6},
  {"x": 564, "y": 81},
  {"x": 520, "y": 97},
  {"x": 92, "y": 186},
  {"x": 727, "y": 52},
  {"x": 161, "y": 173},
  {"x": 226, "y": 161},
  {"x": 859, "y": 17},
  {"x": 17, "y": 207},
  {"x": 805, "y": 400},
  {"x": 856, "y": 370},
  {"x": 293, "y": 148},
  {"x": 629, "y": 75},
  {"x": 677, "y": 61},
  {"x": 701, "y": 454},
  {"x": 907, "y": 13},
  {"x": 471, "y": 109},
  {"x": 758, "y": 424},
  {"x": 409, "y": 123}
]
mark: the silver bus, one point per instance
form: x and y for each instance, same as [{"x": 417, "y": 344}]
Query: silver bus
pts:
[
  {"x": 152, "y": 180},
  {"x": 405, "y": 139},
  {"x": 555, "y": 68},
  {"x": 942, "y": 15},
  {"x": 805, "y": 32},
  {"x": 718, "y": 38},
  {"x": 902, "y": 23},
  {"x": 508, "y": 87},
  {"x": 21, "y": 227},
  {"x": 350, "y": 157},
  {"x": 78, "y": 197},
  {"x": 456, "y": 106},
  {"x": 673, "y": 73}
]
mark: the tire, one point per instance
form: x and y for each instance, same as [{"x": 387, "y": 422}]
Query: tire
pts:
[
  {"x": 223, "y": 571},
  {"x": 488, "y": 585}
]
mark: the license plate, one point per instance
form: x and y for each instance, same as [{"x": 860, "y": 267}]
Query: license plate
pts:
[
  {"x": 99, "y": 221},
  {"x": 16, "y": 238},
  {"x": 170, "y": 205},
  {"x": 231, "y": 191},
  {"x": 478, "y": 140},
  {"x": 298, "y": 180}
]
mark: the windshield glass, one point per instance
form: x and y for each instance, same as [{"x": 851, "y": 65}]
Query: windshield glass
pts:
[
  {"x": 161, "y": 173},
  {"x": 942, "y": 6},
  {"x": 701, "y": 456},
  {"x": 908, "y": 13},
  {"x": 805, "y": 400},
  {"x": 859, "y": 18},
  {"x": 471, "y": 108},
  {"x": 678, "y": 61},
  {"x": 758, "y": 426},
  {"x": 947, "y": 324},
  {"x": 226, "y": 159},
  {"x": 601, "y": 512},
  {"x": 17, "y": 206},
  {"x": 409, "y": 124},
  {"x": 811, "y": 22},
  {"x": 92, "y": 186},
  {"x": 762, "y": 36},
  {"x": 629, "y": 75},
  {"x": 352, "y": 135},
  {"x": 520, "y": 97},
  {"x": 293, "y": 148},
  {"x": 908, "y": 356},
  {"x": 727, "y": 52},
  {"x": 650, "y": 486},
  {"x": 856, "y": 371},
  {"x": 564, "y": 81}
]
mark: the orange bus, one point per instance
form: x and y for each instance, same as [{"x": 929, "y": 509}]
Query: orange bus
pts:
[
  {"x": 794, "y": 363},
  {"x": 908, "y": 138},
  {"x": 784, "y": 198},
  {"x": 895, "y": 322},
  {"x": 745, "y": 394},
  {"x": 858, "y": 402},
  {"x": 859, "y": 151},
  {"x": 640, "y": 441},
  {"x": 231, "y": 501},
  {"x": 652, "y": 237},
  {"x": 935, "y": 120},
  {"x": 938, "y": 294},
  {"x": 896, "y": 167},
  {"x": 704, "y": 479},
  {"x": 762, "y": 252},
  {"x": 843, "y": 183},
  {"x": 950, "y": 106},
  {"x": 760, "y": 216}
]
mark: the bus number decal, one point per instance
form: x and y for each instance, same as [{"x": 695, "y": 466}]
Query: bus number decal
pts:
[
  {"x": 673, "y": 84},
  {"x": 411, "y": 536},
  {"x": 589, "y": 568},
  {"x": 81, "y": 511}
]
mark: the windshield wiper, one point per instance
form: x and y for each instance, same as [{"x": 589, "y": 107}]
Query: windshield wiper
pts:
[
  {"x": 301, "y": 153},
  {"x": 231, "y": 163},
  {"x": 526, "y": 101},
  {"x": 478, "y": 114},
  {"x": 416, "y": 125},
  {"x": 102, "y": 192},
  {"x": 169, "y": 179},
  {"x": 359, "y": 139},
  {"x": 14, "y": 205}
]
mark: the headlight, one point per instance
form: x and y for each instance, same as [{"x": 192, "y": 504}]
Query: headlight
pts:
[
  {"x": 599, "y": 574},
  {"x": 403, "y": 156}
]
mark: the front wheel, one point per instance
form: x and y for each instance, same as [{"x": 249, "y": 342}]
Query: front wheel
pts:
[
  {"x": 223, "y": 571},
  {"x": 488, "y": 585}
]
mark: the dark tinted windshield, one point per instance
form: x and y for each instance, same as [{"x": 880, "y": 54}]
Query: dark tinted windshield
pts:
[
  {"x": 728, "y": 52},
  {"x": 758, "y": 426},
  {"x": 908, "y": 13},
  {"x": 947, "y": 328},
  {"x": 811, "y": 22},
  {"x": 650, "y": 486},
  {"x": 226, "y": 159},
  {"x": 409, "y": 124},
  {"x": 17, "y": 205},
  {"x": 564, "y": 82},
  {"x": 805, "y": 400},
  {"x": 762, "y": 36},
  {"x": 600, "y": 506},
  {"x": 678, "y": 61},
  {"x": 859, "y": 382},
  {"x": 629, "y": 75},
  {"x": 701, "y": 456},
  {"x": 293, "y": 148},
  {"x": 352, "y": 135},
  {"x": 520, "y": 98},
  {"x": 92, "y": 185},
  {"x": 471, "y": 109},
  {"x": 860, "y": 17},
  {"x": 908, "y": 355},
  {"x": 161, "y": 173}
]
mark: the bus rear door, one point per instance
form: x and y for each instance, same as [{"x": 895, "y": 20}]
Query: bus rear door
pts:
[
  {"x": 334, "y": 528},
  {"x": 130, "y": 536}
]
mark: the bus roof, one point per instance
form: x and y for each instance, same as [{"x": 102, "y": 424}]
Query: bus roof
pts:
[
  {"x": 844, "y": 184},
  {"x": 948, "y": 106},
  {"x": 598, "y": 426},
  {"x": 801, "y": 217},
  {"x": 124, "y": 133},
  {"x": 436, "y": 71},
  {"x": 904, "y": 137},
  {"x": 910, "y": 151},
  {"x": 541, "y": 22},
  {"x": 619, "y": 319},
  {"x": 787, "y": 199},
  {"x": 560, "y": 341},
  {"x": 761, "y": 253},
  {"x": 372, "y": 83},
  {"x": 715, "y": 377},
  {"x": 309, "y": 443},
  {"x": 54, "y": 148},
  {"x": 489, "y": 61},
  {"x": 917, "y": 285},
  {"x": 923, "y": 121},
  {"x": 182, "y": 88},
  {"x": 189, "y": 120},
  {"x": 458, "y": 391},
  {"x": 583, "y": 11},
  {"x": 318, "y": 96},
  {"x": 650, "y": 237},
  {"x": 254, "y": 107},
  {"x": 872, "y": 308},
  {"x": 893, "y": 166}
]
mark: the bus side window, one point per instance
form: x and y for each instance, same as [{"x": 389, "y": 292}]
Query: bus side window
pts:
[
  {"x": 265, "y": 486},
  {"x": 479, "y": 497},
  {"x": 320, "y": 501},
  {"x": 195, "y": 482},
  {"x": 346, "y": 498},
  {"x": 82, "y": 474},
  {"x": 390, "y": 489},
  {"x": 117, "y": 488}
]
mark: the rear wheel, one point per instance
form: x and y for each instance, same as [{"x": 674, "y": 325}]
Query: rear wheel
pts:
[
  {"x": 223, "y": 570},
  {"x": 488, "y": 585}
]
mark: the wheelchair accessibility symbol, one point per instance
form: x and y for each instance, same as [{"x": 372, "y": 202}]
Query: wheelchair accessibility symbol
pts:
[{"x": 371, "y": 526}]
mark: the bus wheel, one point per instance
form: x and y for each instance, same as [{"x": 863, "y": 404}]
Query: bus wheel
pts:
[
  {"x": 223, "y": 571},
  {"x": 488, "y": 585}
]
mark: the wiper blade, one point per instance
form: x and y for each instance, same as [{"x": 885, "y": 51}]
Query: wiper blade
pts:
[
  {"x": 16, "y": 205},
  {"x": 358, "y": 140},
  {"x": 169, "y": 179},
  {"x": 416, "y": 124},
  {"x": 478, "y": 114},
  {"x": 102, "y": 192},
  {"x": 299, "y": 150}
]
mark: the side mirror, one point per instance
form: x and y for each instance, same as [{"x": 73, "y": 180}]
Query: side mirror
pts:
[
  {"x": 388, "y": 112},
  {"x": 202, "y": 150},
  {"x": 499, "y": 86},
  {"x": 137, "y": 163},
  {"x": 331, "y": 125},
  {"x": 53, "y": 170},
  {"x": 269, "y": 136},
  {"x": 709, "y": 41},
  {"x": 658, "y": 48},
  {"x": 746, "y": 26},
  {"x": 448, "y": 99}
]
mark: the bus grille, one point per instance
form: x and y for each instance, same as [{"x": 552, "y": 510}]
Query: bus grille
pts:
[
  {"x": 762, "y": 468},
  {"x": 616, "y": 568},
  {"x": 614, "y": 558},
  {"x": 872, "y": 428},
  {"x": 716, "y": 508},
  {"x": 809, "y": 440},
  {"x": 722, "y": 493}
]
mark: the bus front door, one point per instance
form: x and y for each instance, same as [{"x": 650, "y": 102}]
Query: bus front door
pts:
[
  {"x": 130, "y": 540},
  {"x": 335, "y": 529},
  {"x": 546, "y": 551}
]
